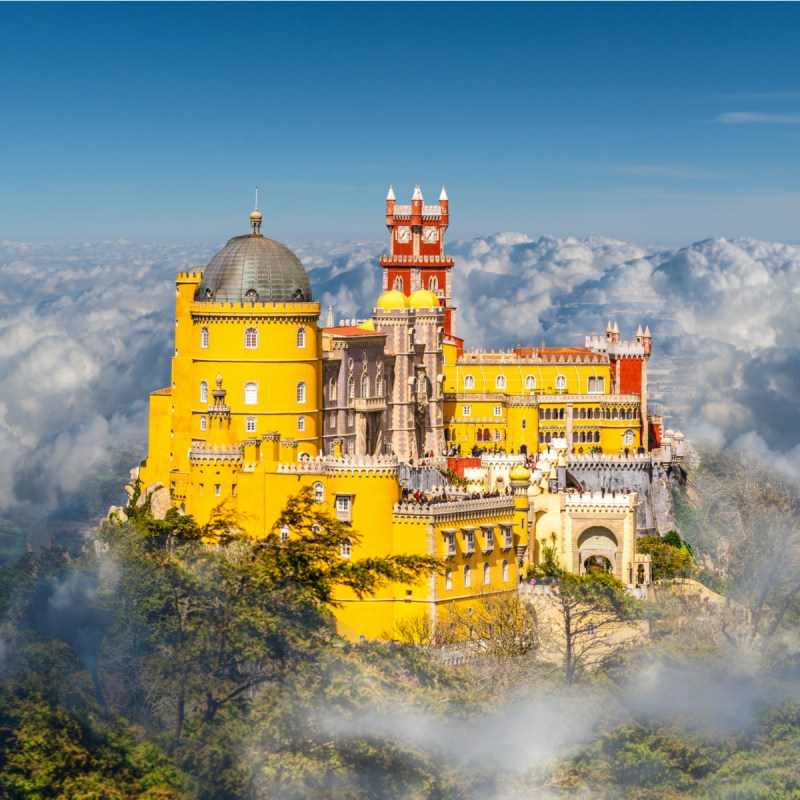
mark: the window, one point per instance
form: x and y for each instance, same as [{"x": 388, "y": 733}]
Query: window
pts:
[
  {"x": 203, "y": 424},
  {"x": 487, "y": 573},
  {"x": 398, "y": 283},
  {"x": 319, "y": 492},
  {"x": 596, "y": 385},
  {"x": 351, "y": 388},
  {"x": 466, "y": 411},
  {"x": 331, "y": 420},
  {"x": 217, "y": 489},
  {"x": 508, "y": 537},
  {"x": 433, "y": 285},
  {"x": 448, "y": 579},
  {"x": 627, "y": 437},
  {"x": 316, "y": 530},
  {"x": 505, "y": 571},
  {"x": 250, "y": 425},
  {"x": 301, "y": 423},
  {"x": 498, "y": 411},
  {"x": 469, "y": 382},
  {"x": 365, "y": 386},
  {"x": 479, "y": 435},
  {"x": 498, "y": 435},
  {"x": 345, "y": 548},
  {"x": 561, "y": 383},
  {"x": 379, "y": 386},
  {"x": 343, "y": 507},
  {"x": 301, "y": 337},
  {"x": 530, "y": 382},
  {"x": 250, "y": 393},
  {"x": 469, "y": 541},
  {"x": 204, "y": 337},
  {"x": 524, "y": 424},
  {"x": 250, "y": 338},
  {"x": 203, "y": 391},
  {"x": 234, "y": 490},
  {"x": 467, "y": 576},
  {"x": 450, "y": 544},
  {"x": 284, "y": 533},
  {"x": 500, "y": 382},
  {"x": 301, "y": 392},
  {"x": 488, "y": 537},
  {"x": 332, "y": 389}
]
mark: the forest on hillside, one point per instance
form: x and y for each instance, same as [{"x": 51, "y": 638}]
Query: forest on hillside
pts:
[{"x": 169, "y": 660}]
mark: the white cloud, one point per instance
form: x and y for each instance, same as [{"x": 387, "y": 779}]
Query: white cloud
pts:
[{"x": 740, "y": 117}]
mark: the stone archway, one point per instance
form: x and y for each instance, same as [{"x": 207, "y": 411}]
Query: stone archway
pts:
[{"x": 598, "y": 546}]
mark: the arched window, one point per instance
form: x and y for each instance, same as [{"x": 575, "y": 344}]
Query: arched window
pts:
[
  {"x": 379, "y": 386},
  {"x": 204, "y": 337},
  {"x": 319, "y": 492},
  {"x": 332, "y": 420},
  {"x": 433, "y": 284},
  {"x": 301, "y": 423},
  {"x": 467, "y": 576},
  {"x": 505, "y": 571},
  {"x": 351, "y": 388},
  {"x": 479, "y": 435},
  {"x": 345, "y": 548},
  {"x": 582, "y": 414},
  {"x": 469, "y": 382},
  {"x": 487, "y": 573},
  {"x": 398, "y": 283},
  {"x": 530, "y": 382},
  {"x": 301, "y": 392},
  {"x": 448, "y": 579},
  {"x": 486, "y": 435},
  {"x": 203, "y": 424},
  {"x": 203, "y": 391},
  {"x": 500, "y": 382},
  {"x": 365, "y": 386},
  {"x": 301, "y": 337},
  {"x": 251, "y": 338},
  {"x": 250, "y": 425},
  {"x": 615, "y": 413},
  {"x": 250, "y": 393},
  {"x": 627, "y": 437},
  {"x": 447, "y": 434},
  {"x": 597, "y": 437},
  {"x": 561, "y": 413},
  {"x": 332, "y": 389},
  {"x": 561, "y": 383},
  {"x": 547, "y": 413}
]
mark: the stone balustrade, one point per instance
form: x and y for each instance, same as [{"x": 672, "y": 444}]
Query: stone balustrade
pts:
[
  {"x": 483, "y": 505},
  {"x": 214, "y": 453},
  {"x": 600, "y": 499}
]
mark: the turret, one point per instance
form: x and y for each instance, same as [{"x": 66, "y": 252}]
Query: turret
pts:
[
  {"x": 647, "y": 341},
  {"x": 444, "y": 204},
  {"x": 639, "y": 335},
  {"x": 615, "y": 333},
  {"x": 390, "y": 199},
  {"x": 416, "y": 207},
  {"x": 609, "y": 332}
]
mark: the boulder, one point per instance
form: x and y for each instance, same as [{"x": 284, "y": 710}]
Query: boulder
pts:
[
  {"x": 117, "y": 515},
  {"x": 160, "y": 502}
]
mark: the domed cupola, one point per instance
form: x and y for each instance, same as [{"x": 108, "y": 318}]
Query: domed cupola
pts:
[{"x": 252, "y": 269}]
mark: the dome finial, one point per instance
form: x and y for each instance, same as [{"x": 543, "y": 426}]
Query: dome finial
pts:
[{"x": 255, "y": 219}]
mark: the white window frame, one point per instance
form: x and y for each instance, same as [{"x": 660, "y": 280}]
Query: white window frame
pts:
[
  {"x": 466, "y": 411},
  {"x": 301, "y": 393},
  {"x": 450, "y": 544},
  {"x": 498, "y": 411},
  {"x": 448, "y": 580},
  {"x": 364, "y": 386},
  {"x": 530, "y": 383},
  {"x": 318, "y": 490},
  {"x": 467, "y": 573},
  {"x": 251, "y": 393},
  {"x": 204, "y": 338},
  {"x": 628, "y": 438},
  {"x": 469, "y": 382},
  {"x": 250, "y": 424},
  {"x": 488, "y": 536},
  {"x": 301, "y": 337},
  {"x": 469, "y": 541},
  {"x": 504, "y": 571},
  {"x": 500, "y": 382},
  {"x": 204, "y": 391},
  {"x": 301, "y": 423},
  {"x": 487, "y": 573},
  {"x": 250, "y": 338},
  {"x": 508, "y": 537},
  {"x": 561, "y": 383},
  {"x": 346, "y": 548},
  {"x": 283, "y": 533},
  {"x": 344, "y": 507},
  {"x": 203, "y": 423}
]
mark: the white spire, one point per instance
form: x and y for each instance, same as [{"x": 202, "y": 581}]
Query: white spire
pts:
[
  {"x": 615, "y": 329},
  {"x": 608, "y": 327},
  {"x": 443, "y": 195},
  {"x": 417, "y": 193},
  {"x": 390, "y": 196},
  {"x": 647, "y": 332},
  {"x": 639, "y": 332},
  {"x": 329, "y": 321}
]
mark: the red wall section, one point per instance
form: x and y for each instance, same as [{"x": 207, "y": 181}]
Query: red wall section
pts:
[{"x": 629, "y": 375}]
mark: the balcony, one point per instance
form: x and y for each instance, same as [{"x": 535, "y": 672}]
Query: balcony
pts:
[{"x": 369, "y": 404}]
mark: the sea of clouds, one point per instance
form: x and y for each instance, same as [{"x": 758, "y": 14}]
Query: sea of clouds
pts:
[{"x": 86, "y": 332}]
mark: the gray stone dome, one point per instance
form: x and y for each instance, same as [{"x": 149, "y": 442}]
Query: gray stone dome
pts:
[{"x": 254, "y": 269}]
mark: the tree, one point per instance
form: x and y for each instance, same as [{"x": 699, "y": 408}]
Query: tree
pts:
[
  {"x": 594, "y": 620},
  {"x": 667, "y": 560}
]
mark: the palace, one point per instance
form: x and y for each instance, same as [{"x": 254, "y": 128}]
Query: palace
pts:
[{"x": 374, "y": 415}]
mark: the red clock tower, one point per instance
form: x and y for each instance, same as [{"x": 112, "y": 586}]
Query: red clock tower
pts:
[{"x": 416, "y": 259}]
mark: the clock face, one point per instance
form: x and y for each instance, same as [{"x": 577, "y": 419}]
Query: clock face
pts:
[
  {"x": 404, "y": 234},
  {"x": 430, "y": 234}
]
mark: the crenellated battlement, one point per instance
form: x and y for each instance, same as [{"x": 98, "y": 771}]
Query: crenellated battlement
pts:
[
  {"x": 216, "y": 454},
  {"x": 457, "y": 509}
]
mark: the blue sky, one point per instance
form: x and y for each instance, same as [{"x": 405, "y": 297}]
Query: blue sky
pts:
[{"x": 656, "y": 123}]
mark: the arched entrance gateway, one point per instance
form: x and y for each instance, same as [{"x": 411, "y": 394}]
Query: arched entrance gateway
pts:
[{"x": 598, "y": 550}]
